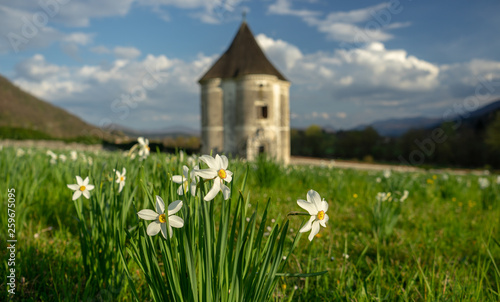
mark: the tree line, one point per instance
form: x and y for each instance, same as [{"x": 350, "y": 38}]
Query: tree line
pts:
[{"x": 467, "y": 143}]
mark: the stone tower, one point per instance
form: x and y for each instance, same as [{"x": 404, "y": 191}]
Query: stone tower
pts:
[{"x": 245, "y": 108}]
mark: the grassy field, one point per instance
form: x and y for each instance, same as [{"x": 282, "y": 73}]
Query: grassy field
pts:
[{"x": 440, "y": 244}]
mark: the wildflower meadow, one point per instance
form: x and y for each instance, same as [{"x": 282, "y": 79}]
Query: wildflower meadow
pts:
[{"x": 148, "y": 226}]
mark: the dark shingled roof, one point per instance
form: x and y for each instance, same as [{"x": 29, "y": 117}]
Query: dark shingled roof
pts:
[{"x": 243, "y": 57}]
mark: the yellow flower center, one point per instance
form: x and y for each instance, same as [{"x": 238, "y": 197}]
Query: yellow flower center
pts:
[
  {"x": 321, "y": 215},
  {"x": 222, "y": 173},
  {"x": 82, "y": 188},
  {"x": 162, "y": 218},
  {"x": 122, "y": 179},
  {"x": 147, "y": 147}
]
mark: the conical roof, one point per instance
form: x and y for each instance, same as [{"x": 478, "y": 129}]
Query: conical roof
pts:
[{"x": 243, "y": 57}]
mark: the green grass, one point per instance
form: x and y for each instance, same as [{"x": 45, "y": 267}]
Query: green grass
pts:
[{"x": 441, "y": 244}]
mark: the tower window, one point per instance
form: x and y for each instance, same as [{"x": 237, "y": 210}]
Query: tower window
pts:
[{"x": 262, "y": 112}]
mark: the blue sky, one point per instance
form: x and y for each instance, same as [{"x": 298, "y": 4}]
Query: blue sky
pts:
[{"x": 136, "y": 62}]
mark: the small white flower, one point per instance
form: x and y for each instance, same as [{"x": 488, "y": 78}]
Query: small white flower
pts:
[
  {"x": 381, "y": 196},
  {"x": 73, "y": 155},
  {"x": 62, "y": 157},
  {"x": 53, "y": 156},
  {"x": 378, "y": 179},
  {"x": 405, "y": 195},
  {"x": 445, "y": 177},
  {"x": 218, "y": 172},
  {"x": 20, "y": 152},
  {"x": 192, "y": 160},
  {"x": 346, "y": 256},
  {"x": 120, "y": 178},
  {"x": 143, "y": 147},
  {"x": 498, "y": 180},
  {"x": 387, "y": 173},
  {"x": 483, "y": 182},
  {"x": 81, "y": 187},
  {"x": 160, "y": 218},
  {"x": 317, "y": 209},
  {"x": 185, "y": 184}
]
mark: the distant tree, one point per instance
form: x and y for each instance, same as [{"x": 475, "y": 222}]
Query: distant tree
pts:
[
  {"x": 493, "y": 133},
  {"x": 314, "y": 145}
]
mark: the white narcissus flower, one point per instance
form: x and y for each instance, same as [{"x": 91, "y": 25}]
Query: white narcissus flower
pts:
[
  {"x": 53, "y": 156},
  {"x": 387, "y": 173},
  {"x": 160, "y": 217},
  {"x": 218, "y": 172},
  {"x": 498, "y": 180},
  {"x": 183, "y": 180},
  {"x": 192, "y": 160},
  {"x": 120, "y": 179},
  {"x": 317, "y": 209},
  {"x": 81, "y": 187},
  {"x": 74, "y": 155},
  {"x": 405, "y": 195},
  {"x": 143, "y": 147},
  {"x": 483, "y": 182}
]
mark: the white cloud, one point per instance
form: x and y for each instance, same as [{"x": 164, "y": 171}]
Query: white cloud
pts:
[
  {"x": 100, "y": 49},
  {"x": 126, "y": 52},
  {"x": 284, "y": 53},
  {"x": 211, "y": 12},
  {"x": 148, "y": 92},
  {"x": 364, "y": 25},
  {"x": 79, "y": 38},
  {"x": 283, "y": 7},
  {"x": 341, "y": 115}
]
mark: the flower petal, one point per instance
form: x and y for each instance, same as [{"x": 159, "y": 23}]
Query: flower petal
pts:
[
  {"x": 324, "y": 221},
  {"x": 77, "y": 194},
  {"x": 153, "y": 228},
  {"x": 185, "y": 171},
  {"x": 90, "y": 187},
  {"x": 174, "y": 207},
  {"x": 160, "y": 205},
  {"x": 210, "y": 161},
  {"x": 323, "y": 206},
  {"x": 180, "y": 190},
  {"x": 86, "y": 181},
  {"x": 175, "y": 221},
  {"x": 314, "y": 230},
  {"x": 74, "y": 187},
  {"x": 147, "y": 214},
  {"x": 215, "y": 189},
  {"x": 229, "y": 176},
  {"x": 140, "y": 140},
  {"x": 224, "y": 162},
  {"x": 178, "y": 179},
  {"x": 308, "y": 225},
  {"x": 122, "y": 184},
  {"x": 124, "y": 171},
  {"x": 86, "y": 193},
  {"x": 225, "y": 191},
  {"x": 164, "y": 230},
  {"x": 206, "y": 173},
  {"x": 79, "y": 180},
  {"x": 309, "y": 207},
  {"x": 314, "y": 198}
]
